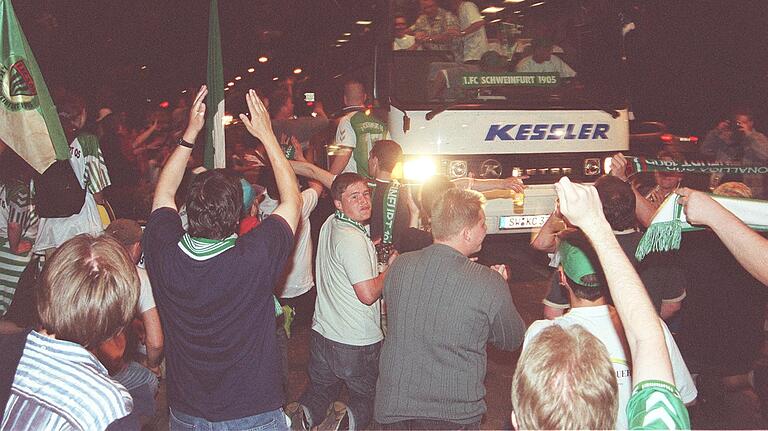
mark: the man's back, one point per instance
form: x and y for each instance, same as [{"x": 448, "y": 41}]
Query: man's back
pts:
[
  {"x": 218, "y": 316},
  {"x": 442, "y": 309}
]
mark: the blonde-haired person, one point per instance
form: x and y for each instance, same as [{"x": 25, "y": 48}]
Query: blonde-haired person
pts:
[
  {"x": 655, "y": 402},
  {"x": 87, "y": 293},
  {"x": 442, "y": 310},
  {"x": 586, "y": 397}
]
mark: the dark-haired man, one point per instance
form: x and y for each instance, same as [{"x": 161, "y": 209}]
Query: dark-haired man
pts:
[
  {"x": 664, "y": 281},
  {"x": 346, "y": 331},
  {"x": 586, "y": 288},
  {"x": 214, "y": 290},
  {"x": 737, "y": 141}
]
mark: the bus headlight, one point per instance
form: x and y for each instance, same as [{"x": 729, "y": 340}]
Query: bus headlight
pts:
[
  {"x": 420, "y": 169},
  {"x": 591, "y": 167}
]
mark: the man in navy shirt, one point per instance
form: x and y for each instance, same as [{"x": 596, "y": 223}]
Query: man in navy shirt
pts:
[{"x": 214, "y": 290}]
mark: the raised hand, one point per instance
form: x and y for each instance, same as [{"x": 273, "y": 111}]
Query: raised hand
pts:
[
  {"x": 259, "y": 125},
  {"x": 580, "y": 204},
  {"x": 619, "y": 166},
  {"x": 197, "y": 112},
  {"x": 699, "y": 207}
]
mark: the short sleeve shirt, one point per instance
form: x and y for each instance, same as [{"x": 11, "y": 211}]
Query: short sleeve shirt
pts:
[
  {"x": 146, "y": 299},
  {"x": 298, "y": 280},
  {"x": 218, "y": 318},
  {"x": 359, "y": 130},
  {"x": 345, "y": 256},
  {"x": 441, "y": 23},
  {"x": 475, "y": 44},
  {"x": 553, "y": 65},
  {"x": 656, "y": 405}
]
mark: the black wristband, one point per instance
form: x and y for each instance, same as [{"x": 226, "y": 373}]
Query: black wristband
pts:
[{"x": 184, "y": 143}]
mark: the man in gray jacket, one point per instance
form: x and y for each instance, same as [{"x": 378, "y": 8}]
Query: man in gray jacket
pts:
[{"x": 442, "y": 310}]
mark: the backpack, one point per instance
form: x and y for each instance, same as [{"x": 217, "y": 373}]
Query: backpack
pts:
[{"x": 58, "y": 192}]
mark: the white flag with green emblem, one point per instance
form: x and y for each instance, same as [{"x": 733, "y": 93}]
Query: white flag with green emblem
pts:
[{"x": 29, "y": 123}]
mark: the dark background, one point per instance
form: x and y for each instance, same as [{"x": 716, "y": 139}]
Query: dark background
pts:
[{"x": 690, "y": 61}]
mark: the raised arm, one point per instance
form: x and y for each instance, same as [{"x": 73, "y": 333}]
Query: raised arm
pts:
[
  {"x": 483, "y": 185},
  {"x": 650, "y": 360},
  {"x": 546, "y": 239},
  {"x": 260, "y": 127},
  {"x": 306, "y": 169},
  {"x": 747, "y": 246},
  {"x": 173, "y": 171}
]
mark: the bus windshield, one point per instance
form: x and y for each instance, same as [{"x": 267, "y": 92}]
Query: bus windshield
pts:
[{"x": 560, "y": 54}]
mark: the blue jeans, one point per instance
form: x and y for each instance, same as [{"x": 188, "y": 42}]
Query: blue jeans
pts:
[
  {"x": 332, "y": 364},
  {"x": 268, "y": 421}
]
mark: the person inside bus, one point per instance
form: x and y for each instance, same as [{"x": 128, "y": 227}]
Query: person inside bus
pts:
[
  {"x": 403, "y": 40},
  {"x": 541, "y": 60}
]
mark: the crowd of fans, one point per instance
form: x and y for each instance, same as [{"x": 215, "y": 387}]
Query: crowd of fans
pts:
[{"x": 96, "y": 309}]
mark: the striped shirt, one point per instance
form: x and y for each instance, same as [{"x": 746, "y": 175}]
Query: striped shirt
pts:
[
  {"x": 61, "y": 386},
  {"x": 15, "y": 207},
  {"x": 96, "y": 175}
]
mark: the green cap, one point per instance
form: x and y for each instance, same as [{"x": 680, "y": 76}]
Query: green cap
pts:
[{"x": 576, "y": 263}]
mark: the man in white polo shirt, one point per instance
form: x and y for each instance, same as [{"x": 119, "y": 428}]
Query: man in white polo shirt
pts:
[{"x": 346, "y": 330}]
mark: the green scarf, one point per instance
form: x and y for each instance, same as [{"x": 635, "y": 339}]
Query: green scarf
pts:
[
  {"x": 343, "y": 217},
  {"x": 669, "y": 222},
  {"x": 390, "y": 209},
  {"x": 641, "y": 164},
  {"x": 204, "y": 248}
]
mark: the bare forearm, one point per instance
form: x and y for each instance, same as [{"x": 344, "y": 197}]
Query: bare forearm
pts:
[
  {"x": 338, "y": 163},
  {"x": 641, "y": 323},
  {"x": 546, "y": 239},
  {"x": 171, "y": 175},
  {"x": 475, "y": 26},
  {"x": 285, "y": 177},
  {"x": 644, "y": 210},
  {"x": 306, "y": 169}
]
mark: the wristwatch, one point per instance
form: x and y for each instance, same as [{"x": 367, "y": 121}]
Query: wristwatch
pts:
[{"x": 184, "y": 143}]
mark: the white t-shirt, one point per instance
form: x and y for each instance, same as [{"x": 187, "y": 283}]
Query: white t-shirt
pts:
[
  {"x": 346, "y": 137},
  {"x": 345, "y": 256},
  {"x": 554, "y": 64},
  {"x": 299, "y": 270},
  {"x": 404, "y": 42},
  {"x": 598, "y": 321},
  {"x": 146, "y": 299},
  {"x": 52, "y": 232},
  {"x": 475, "y": 44}
]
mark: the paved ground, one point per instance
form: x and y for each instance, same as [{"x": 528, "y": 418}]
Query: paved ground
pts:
[{"x": 528, "y": 284}]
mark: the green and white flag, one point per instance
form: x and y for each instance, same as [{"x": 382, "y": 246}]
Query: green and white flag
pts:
[
  {"x": 29, "y": 123},
  {"x": 666, "y": 229},
  {"x": 214, "y": 144}
]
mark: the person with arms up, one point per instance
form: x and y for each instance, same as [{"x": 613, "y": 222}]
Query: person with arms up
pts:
[
  {"x": 214, "y": 289},
  {"x": 564, "y": 378}
]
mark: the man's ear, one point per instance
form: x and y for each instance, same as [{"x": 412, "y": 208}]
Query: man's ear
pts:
[{"x": 337, "y": 204}]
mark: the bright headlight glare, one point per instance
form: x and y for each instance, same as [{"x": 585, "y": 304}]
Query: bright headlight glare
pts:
[{"x": 419, "y": 169}]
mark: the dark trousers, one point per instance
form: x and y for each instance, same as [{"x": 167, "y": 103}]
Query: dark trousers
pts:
[
  {"x": 429, "y": 424},
  {"x": 332, "y": 364}
]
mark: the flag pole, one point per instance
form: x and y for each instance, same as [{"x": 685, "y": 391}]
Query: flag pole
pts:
[{"x": 214, "y": 156}]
